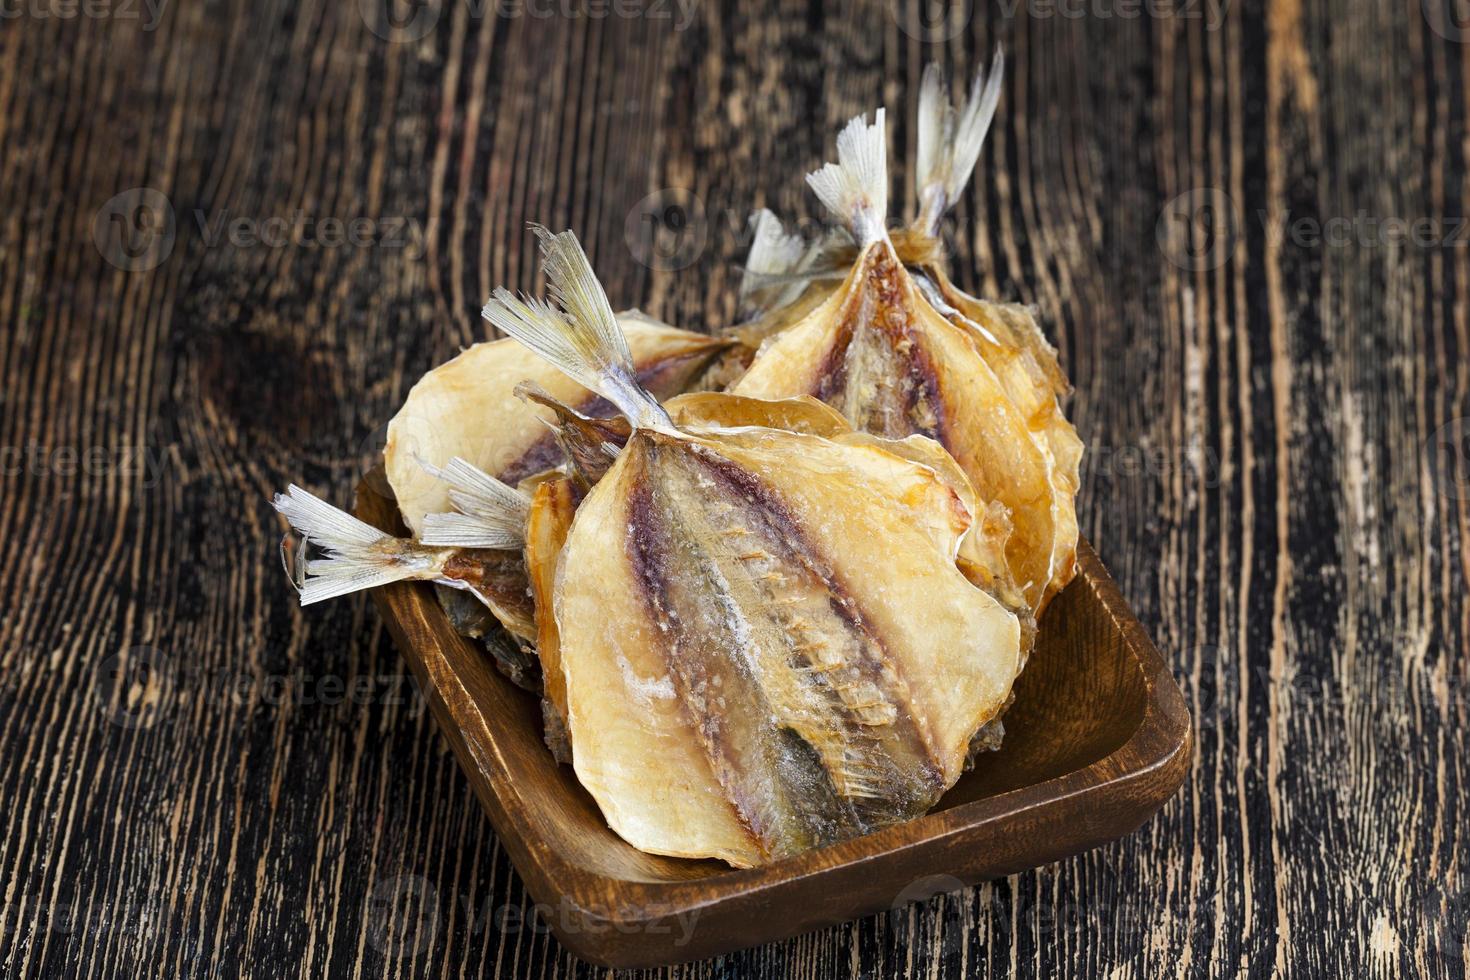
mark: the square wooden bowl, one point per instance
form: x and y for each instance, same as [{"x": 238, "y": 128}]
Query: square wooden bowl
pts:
[{"x": 1097, "y": 739}]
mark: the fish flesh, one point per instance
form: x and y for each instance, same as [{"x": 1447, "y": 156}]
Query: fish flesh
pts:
[
  {"x": 765, "y": 639},
  {"x": 879, "y": 351}
]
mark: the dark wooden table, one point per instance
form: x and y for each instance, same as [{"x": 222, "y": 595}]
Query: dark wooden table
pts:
[{"x": 232, "y": 235}]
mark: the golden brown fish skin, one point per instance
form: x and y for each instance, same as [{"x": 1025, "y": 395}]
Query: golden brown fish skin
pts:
[
  {"x": 1013, "y": 325},
  {"x": 553, "y": 506},
  {"x": 1025, "y": 364},
  {"x": 877, "y": 372},
  {"x": 895, "y": 366},
  {"x": 467, "y": 407},
  {"x": 577, "y": 438},
  {"x": 805, "y": 725}
]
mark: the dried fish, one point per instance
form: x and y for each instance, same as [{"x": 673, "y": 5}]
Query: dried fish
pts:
[
  {"x": 765, "y": 641},
  {"x": 476, "y": 549},
  {"x": 1006, "y": 334},
  {"x": 468, "y": 407},
  {"x": 879, "y": 352}
]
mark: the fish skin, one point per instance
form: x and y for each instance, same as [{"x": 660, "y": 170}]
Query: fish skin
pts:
[
  {"x": 814, "y": 579},
  {"x": 932, "y": 380},
  {"x": 837, "y": 753},
  {"x": 733, "y": 808},
  {"x": 1009, "y": 338},
  {"x": 553, "y": 507},
  {"x": 499, "y": 579}
]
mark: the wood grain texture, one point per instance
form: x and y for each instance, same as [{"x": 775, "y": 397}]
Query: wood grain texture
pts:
[{"x": 196, "y": 778}]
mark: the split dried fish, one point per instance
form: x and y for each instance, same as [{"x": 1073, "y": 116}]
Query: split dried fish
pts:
[
  {"x": 475, "y": 549},
  {"x": 765, "y": 641},
  {"x": 468, "y": 407},
  {"x": 879, "y": 351}
]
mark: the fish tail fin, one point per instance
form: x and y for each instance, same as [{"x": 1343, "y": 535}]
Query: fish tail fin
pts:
[
  {"x": 950, "y": 141},
  {"x": 855, "y": 188},
  {"x": 577, "y": 331},
  {"x": 936, "y": 137},
  {"x": 774, "y": 253},
  {"x": 490, "y": 514},
  {"x": 358, "y": 555}
]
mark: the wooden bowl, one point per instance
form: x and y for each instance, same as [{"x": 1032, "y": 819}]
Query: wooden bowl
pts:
[{"x": 1097, "y": 739}]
